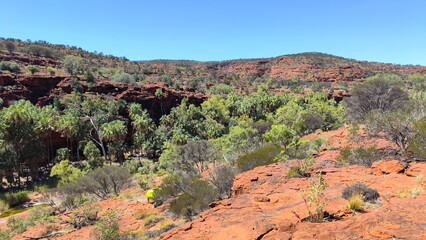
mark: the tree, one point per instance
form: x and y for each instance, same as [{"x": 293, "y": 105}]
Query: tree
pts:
[
  {"x": 395, "y": 125},
  {"x": 33, "y": 69},
  {"x": 21, "y": 147},
  {"x": 10, "y": 46},
  {"x": 66, "y": 172},
  {"x": 88, "y": 77},
  {"x": 73, "y": 64},
  {"x": 380, "y": 93},
  {"x": 417, "y": 144},
  {"x": 12, "y": 67},
  {"x": 195, "y": 156},
  {"x": 115, "y": 132},
  {"x": 280, "y": 134},
  {"x": 122, "y": 77},
  {"x": 96, "y": 111}
]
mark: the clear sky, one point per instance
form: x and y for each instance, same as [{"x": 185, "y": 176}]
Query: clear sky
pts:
[{"x": 376, "y": 30}]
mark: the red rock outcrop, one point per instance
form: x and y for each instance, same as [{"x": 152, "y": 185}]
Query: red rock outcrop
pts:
[
  {"x": 268, "y": 205},
  {"x": 41, "y": 90}
]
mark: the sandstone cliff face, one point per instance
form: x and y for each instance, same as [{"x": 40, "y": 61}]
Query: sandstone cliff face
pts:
[
  {"x": 309, "y": 66},
  {"x": 41, "y": 90},
  {"x": 268, "y": 205}
]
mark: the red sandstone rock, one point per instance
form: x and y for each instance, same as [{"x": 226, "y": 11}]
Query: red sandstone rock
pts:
[{"x": 386, "y": 167}]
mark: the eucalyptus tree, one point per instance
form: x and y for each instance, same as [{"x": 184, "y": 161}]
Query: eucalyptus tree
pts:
[{"x": 95, "y": 112}]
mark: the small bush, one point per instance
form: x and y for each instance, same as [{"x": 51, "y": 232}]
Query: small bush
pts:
[
  {"x": 222, "y": 178},
  {"x": 107, "y": 227},
  {"x": 359, "y": 156},
  {"x": 101, "y": 182},
  {"x": 356, "y": 202},
  {"x": 86, "y": 216},
  {"x": 407, "y": 193},
  {"x": 3, "y": 207},
  {"x": 12, "y": 67},
  {"x": 369, "y": 194},
  {"x": 152, "y": 219},
  {"x": 297, "y": 172},
  {"x": 314, "y": 199},
  {"x": 15, "y": 198},
  {"x": 191, "y": 195},
  {"x": 123, "y": 78},
  {"x": 52, "y": 71},
  {"x": 33, "y": 69},
  {"x": 263, "y": 155},
  {"x": 156, "y": 233}
]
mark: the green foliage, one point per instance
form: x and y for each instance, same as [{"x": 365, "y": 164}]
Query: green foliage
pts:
[
  {"x": 194, "y": 157},
  {"x": 396, "y": 125},
  {"x": 280, "y": 134},
  {"x": 12, "y": 67},
  {"x": 114, "y": 130},
  {"x": 62, "y": 154},
  {"x": 73, "y": 65},
  {"x": 66, "y": 172},
  {"x": 381, "y": 93},
  {"x": 241, "y": 139},
  {"x": 107, "y": 227},
  {"x": 51, "y": 70},
  {"x": 22, "y": 128},
  {"x": 93, "y": 155},
  {"x": 88, "y": 77},
  {"x": 122, "y": 77},
  {"x": 40, "y": 51},
  {"x": 221, "y": 89},
  {"x": 101, "y": 182},
  {"x": 33, "y": 69},
  {"x": 417, "y": 144},
  {"x": 314, "y": 198},
  {"x": 19, "y": 225},
  {"x": 263, "y": 155},
  {"x": 222, "y": 178},
  {"x": 192, "y": 195},
  {"x": 10, "y": 46},
  {"x": 359, "y": 156},
  {"x": 13, "y": 199}
]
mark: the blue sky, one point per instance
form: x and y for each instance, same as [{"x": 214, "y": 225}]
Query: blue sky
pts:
[{"x": 375, "y": 30}]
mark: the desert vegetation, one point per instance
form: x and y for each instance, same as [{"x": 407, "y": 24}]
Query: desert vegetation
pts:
[{"x": 188, "y": 157}]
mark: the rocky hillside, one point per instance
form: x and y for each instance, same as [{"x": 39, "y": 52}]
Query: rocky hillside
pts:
[
  {"x": 304, "y": 66},
  {"x": 268, "y": 205}
]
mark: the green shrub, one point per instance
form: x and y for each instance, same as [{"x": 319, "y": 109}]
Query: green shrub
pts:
[
  {"x": 156, "y": 233},
  {"x": 12, "y": 67},
  {"x": 263, "y": 155},
  {"x": 101, "y": 182},
  {"x": 66, "y": 172},
  {"x": 222, "y": 178},
  {"x": 107, "y": 227},
  {"x": 152, "y": 219},
  {"x": 417, "y": 144},
  {"x": 15, "y": 198},
  {"x": 296, "y": 172},
  {"x": 191, "y": 195},
  {"x": 123, "y": 78},
  {"x": 359, "y": 156},
  {"x": 52, "y": 71},
  {"x": 33, "y": 69}
]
